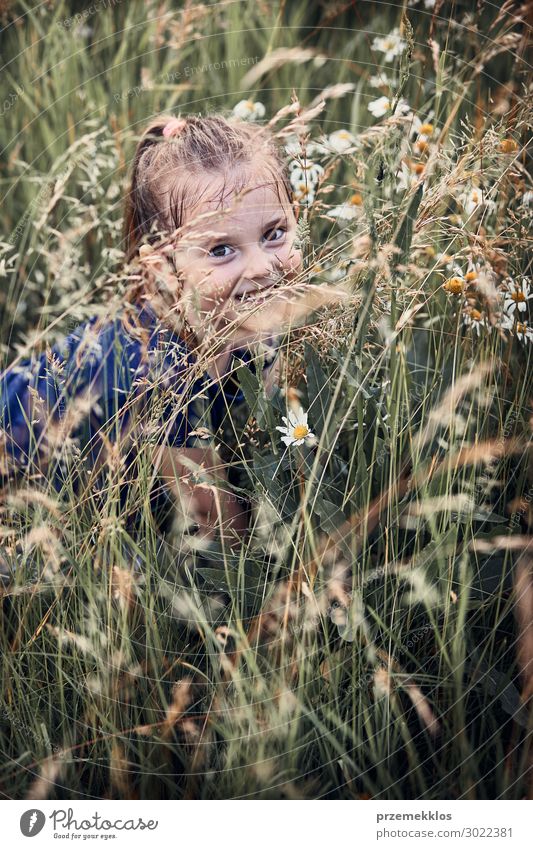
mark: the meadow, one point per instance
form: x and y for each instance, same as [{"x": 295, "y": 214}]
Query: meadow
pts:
[{"x": 373, "y": 638}]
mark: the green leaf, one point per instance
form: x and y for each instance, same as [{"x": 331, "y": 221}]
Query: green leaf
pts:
[
  {"x": 265, "y": 467},
  {"x": 250, "y": 386},
  {"x": 331, "y": 516},
  {"x": 405, "y": 232},
  {"x": 318, "y": 391},
  {"x": 254, "y": 395}
]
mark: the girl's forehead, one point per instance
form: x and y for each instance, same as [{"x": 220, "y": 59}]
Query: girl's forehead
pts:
[{"x": 236, "y": 196}]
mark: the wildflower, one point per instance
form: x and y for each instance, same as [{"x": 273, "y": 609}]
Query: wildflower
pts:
[
  {"x": 508, "y": 146},
  {"x": 296, "y": 430},
  {"x": 407, "y": 178},
  {"x": 421, "y": 145},
  {"x": 379, "y": 107},
  {"x": 303, "y": 192},
  {"x": 422, "y": 132},
  {"x": 454, "y": 285},
  {"x": 248, "y": 110},
  {"x": 524, "y": 331},
  {"x": 517, "y": 295},
  {"x": 381, "y": 79},
  {"x": 475, "y": 319},
  {"x": 475, "y": 271},
  {"x": 521, "y": 328},
  {"x": 298, "y": 149},
  {"x": 347, "y": 211},
  {"x": 305, "y": 170},
  {"x": 505, "y": 322},
  {"x": 340, "y": 140},
  {"x": 450, "y": 264},
  {"x": 382, "y": 105},
  {"x": 339, "y": 271},
  {"x": 476, "y": 198},
  {"x": 391, "y": 45}
]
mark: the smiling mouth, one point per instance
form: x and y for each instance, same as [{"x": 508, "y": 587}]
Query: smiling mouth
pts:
[{"x": 257, "y": 295}]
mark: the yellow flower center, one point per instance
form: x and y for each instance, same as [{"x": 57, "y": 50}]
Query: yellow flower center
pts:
[
  {"x": 475, "y": 315},
  {"x": 343, "y": 134},
  {"x": 508, "y": 145},
  {"x": 421, "y": 145},
  {"x": 470, "y": 275},
  {"x": 249, "y": 104},
  {"x": 518, "y": 296},
  {"x": 520, "y": 327},
  {"x": 419, "y": 168},
  {"x": 475, "y": 196},
  {"x": 356, "y": 200},
  {"x": 300, "y": 431},
  {"x": 426, "y": 129},
  {"x": 454, "y": 285}
]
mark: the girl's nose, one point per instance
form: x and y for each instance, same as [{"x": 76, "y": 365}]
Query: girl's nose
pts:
[{"x": 261, "y": 268}]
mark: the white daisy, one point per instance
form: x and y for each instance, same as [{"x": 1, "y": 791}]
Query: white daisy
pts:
[
  {"x": 340, "y": 141},
  {"x": 379, "y": 107},
  {"x": 352, "y": 208},
  {"x": 303, "y": 192},
  {"x": 391, "y": 45},
  {"x": 305, "y": 170},
  {"x": 381, "y": 79},
  {"x": 299, "y": 150},
  {"x": 383, "y": 105},
  {"x": 296, "y": 431},
  {"x": 524, "y": 332},
  {"x": 517, "y": 295},
  {"x": 475, "y": 320},
  {"x": 505, "y": 322},
  {"x": 406, "y": 178},
  {"x": 247, "y": 110},
  {"x": 339, "y": 271},
  {"x": 450, "y": 264},
  {"x": 476, "y": 198}
]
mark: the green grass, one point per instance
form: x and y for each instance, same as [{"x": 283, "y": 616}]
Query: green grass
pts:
[{"x": 369, "y": 640}]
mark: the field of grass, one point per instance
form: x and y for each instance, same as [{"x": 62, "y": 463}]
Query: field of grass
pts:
[{"x": 374, "y": 637}]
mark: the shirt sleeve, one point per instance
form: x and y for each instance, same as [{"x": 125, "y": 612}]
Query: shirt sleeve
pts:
[
  {"x": 67, "y": 393},
  {"x": 31, "y": 399}
]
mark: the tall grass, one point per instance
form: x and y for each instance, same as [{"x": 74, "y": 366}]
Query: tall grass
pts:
[{"x": 372, "y": 637}]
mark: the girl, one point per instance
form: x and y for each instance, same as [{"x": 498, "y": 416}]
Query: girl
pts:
[{"x": 209, "y": 237}]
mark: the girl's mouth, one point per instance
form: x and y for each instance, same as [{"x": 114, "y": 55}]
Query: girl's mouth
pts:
[{"x": 256, "y": 297}]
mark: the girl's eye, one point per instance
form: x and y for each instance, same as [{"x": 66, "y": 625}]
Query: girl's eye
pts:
[
  {"x": 217, "y": 249},
  {"x": 270, "y": 235}
]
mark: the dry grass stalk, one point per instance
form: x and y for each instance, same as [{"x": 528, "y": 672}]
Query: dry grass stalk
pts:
[{"x": 43, "y": 785}]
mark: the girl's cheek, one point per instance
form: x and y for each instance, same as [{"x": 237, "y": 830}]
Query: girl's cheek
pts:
[{"x": 294, "y": 261}]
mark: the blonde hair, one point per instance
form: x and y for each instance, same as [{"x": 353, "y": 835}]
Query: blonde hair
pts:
[{"x": 157, "y": 195}]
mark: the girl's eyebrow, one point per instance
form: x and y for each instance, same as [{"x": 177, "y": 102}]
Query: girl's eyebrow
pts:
[{"x": 279, "y": 219}]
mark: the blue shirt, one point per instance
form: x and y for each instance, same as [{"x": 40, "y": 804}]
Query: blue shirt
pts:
[{"x": 121, "y": 378}]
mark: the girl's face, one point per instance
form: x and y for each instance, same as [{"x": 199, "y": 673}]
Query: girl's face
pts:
[{"x": 230, "y": 259}]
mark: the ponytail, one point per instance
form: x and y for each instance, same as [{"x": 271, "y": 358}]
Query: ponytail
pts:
[{"x": 134, "y": 222}]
